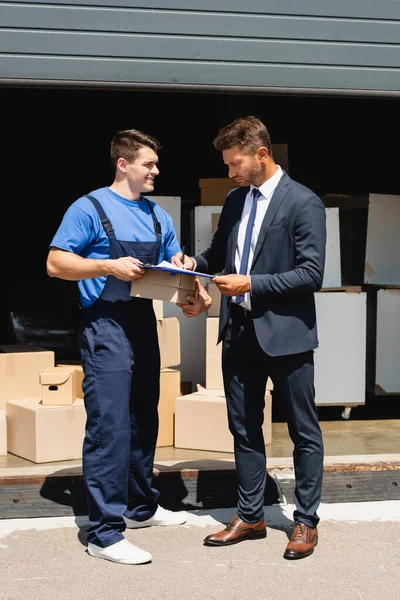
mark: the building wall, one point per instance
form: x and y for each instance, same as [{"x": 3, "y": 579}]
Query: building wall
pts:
[{"x": 348, "y": 46}]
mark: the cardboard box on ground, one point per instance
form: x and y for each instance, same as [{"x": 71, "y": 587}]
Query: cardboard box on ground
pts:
[
  {"x": 201, "y": 421},
  {"x": 46, "y": 418},
  {"x": 45, "y": 433}
]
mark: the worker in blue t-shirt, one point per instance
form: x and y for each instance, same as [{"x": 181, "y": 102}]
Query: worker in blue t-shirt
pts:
[{"x": 101, "y": 242}]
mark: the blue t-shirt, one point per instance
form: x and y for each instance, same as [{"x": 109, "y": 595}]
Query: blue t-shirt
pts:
[{"x": 82, "y": 232}]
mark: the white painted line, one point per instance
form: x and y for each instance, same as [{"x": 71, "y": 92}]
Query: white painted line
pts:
[
  {"x": 281, "y": 515},
  {"x": 8, "y": 526},
  {"x": 277, "y": 515}
]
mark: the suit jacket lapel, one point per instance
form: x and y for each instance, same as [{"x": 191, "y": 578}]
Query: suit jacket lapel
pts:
[{"x": 276, "y": 200}]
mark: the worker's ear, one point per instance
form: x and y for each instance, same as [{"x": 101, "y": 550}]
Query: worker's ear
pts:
[{"x": 122, "y": 165}]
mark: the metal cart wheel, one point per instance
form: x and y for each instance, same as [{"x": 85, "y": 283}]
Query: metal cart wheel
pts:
[{"x": 346, "y": 412}]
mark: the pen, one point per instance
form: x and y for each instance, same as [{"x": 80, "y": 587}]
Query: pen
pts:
[{"x": 183, "y": 257}]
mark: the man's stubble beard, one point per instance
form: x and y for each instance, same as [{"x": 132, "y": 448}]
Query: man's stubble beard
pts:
[{"x": 255, "y": 175}]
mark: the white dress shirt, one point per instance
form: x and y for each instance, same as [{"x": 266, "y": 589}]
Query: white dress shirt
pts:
[{"x": 266, "y": 189}]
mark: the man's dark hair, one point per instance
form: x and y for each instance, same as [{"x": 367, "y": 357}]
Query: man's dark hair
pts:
[
  {"x": 249, "y": 133},
  {"x": 127, "y": 143}
]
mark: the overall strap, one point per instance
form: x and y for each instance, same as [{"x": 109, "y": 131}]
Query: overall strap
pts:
[
  {"x": 157, "y": 224},
  {"x": 105, "y": 221}
]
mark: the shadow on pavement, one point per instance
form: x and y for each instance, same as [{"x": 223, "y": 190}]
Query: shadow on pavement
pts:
[{"x": 184, "y": 486}]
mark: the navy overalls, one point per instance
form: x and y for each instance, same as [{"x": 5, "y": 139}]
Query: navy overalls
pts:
[{"x": 121, "y": 362}]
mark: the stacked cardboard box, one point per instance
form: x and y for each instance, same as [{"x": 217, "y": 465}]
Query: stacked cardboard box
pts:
[
  {"x": 59, "y": 387},
  {"x": 170, "y": 389},
  {"x": 19, "y": 371},
  {"x": 19, "y": 377},
  {"x": 170, "y": 379},
  {"x": 77, "y": 368},
  {"x": 169, "y": 342},
  {"x": 213, "y": 190},
  {"x": 44, "y": 419},
  {"x": 3, "y": 434}
]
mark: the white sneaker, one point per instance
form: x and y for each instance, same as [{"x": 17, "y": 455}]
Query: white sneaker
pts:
[
  {"x": 162, "y": 516},
  {"x": 122, "y": 552}
]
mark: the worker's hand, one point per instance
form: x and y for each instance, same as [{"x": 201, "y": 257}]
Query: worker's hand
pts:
[
  {"x": 126, "y": 268},
  {"x": 198, "y": 303},
  {"x": 177, "y": 261},
  {"x": 232, "y": 285}
]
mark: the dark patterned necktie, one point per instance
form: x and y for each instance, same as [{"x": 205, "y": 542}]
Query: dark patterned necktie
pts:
[{"x": 244, "y": 262}]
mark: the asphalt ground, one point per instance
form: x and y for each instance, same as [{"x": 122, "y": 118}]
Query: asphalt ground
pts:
[{"x": 357, "y": 558}]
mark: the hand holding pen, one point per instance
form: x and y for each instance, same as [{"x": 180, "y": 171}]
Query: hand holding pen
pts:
[{"x": 182, "y": 261}]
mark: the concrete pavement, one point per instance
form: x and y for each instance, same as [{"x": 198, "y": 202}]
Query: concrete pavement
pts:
[{"x": 358, "y": 558}]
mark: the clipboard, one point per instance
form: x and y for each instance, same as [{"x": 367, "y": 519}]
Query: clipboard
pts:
[{"x": 173, "y": 270}]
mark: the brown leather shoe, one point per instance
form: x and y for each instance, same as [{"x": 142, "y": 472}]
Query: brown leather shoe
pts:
[
  {"x": 303, "y": 541},
  {"x": 237, "y": 531}
]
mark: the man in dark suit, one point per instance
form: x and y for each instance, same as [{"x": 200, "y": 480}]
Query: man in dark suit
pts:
[{"x": 269, "y": 251}]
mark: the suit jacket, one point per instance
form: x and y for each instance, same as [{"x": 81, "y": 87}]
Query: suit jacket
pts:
[{"x": 287, "y": 268}]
